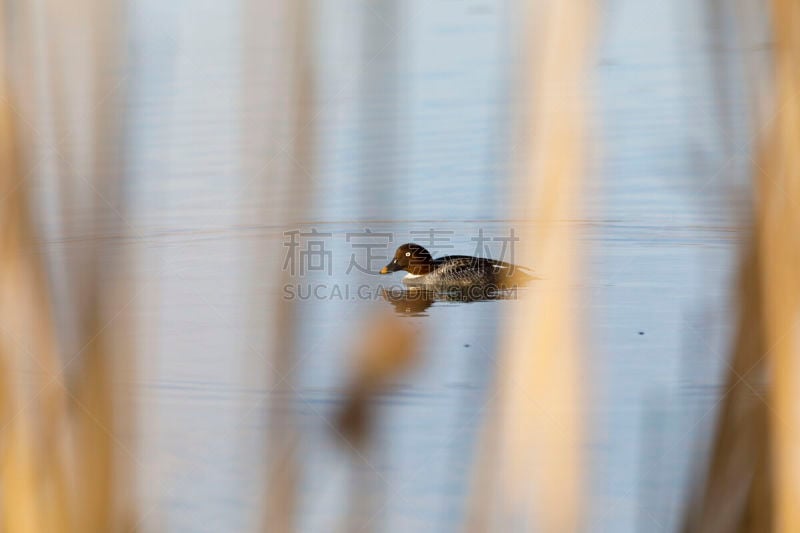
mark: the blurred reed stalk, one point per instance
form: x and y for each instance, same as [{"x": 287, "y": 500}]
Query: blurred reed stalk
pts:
[
  {"x": 753, "y": 479},
  {"x": 278, "y": 148},
  {"x": 386, "y": 348},
  {"x": 531, "y": 468},
  {"x": 105, "y": 431},
  {"x": 32, "y": 401},
  {"x": 736, "y": 494},
  {"x": 778, "y": 228},
  {"x": 65, "y": 455}
]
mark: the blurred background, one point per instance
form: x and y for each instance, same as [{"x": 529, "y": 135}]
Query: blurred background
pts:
[{"x": 197, "y": 197}]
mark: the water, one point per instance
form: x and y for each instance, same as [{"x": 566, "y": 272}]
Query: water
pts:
[{"x": 657, "y": 228}]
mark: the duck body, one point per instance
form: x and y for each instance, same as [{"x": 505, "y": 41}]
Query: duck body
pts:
[
  {"x": 463, "y": 271},
  {"x": 454, "y": 271}
]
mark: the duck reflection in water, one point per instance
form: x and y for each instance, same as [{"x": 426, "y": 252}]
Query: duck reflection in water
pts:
[{"x": 415, "y": 301}]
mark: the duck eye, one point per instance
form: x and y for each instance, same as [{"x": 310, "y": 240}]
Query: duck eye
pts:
[{"x": 408, "y": 254}]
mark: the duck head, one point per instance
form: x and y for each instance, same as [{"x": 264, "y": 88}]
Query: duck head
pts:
[{"x": 412, "y": 258}]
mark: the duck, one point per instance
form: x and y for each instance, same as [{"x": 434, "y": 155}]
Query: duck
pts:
[{"x": 454, "y": 271}]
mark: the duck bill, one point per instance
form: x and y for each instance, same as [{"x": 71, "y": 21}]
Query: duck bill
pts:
[{"x": 391, "y": 267}]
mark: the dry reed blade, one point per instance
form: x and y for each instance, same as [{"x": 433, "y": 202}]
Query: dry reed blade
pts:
[
  {"x": 753, "y": 478},
  {"x": 278, "y": 150},
  {"x": 532, "y": 468},
  {"x": 736, "y": 493},
  {"x": 61, "y": 467},
  {"x": 33, "y": 480},
  {"x": 778, "y": 226}
]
